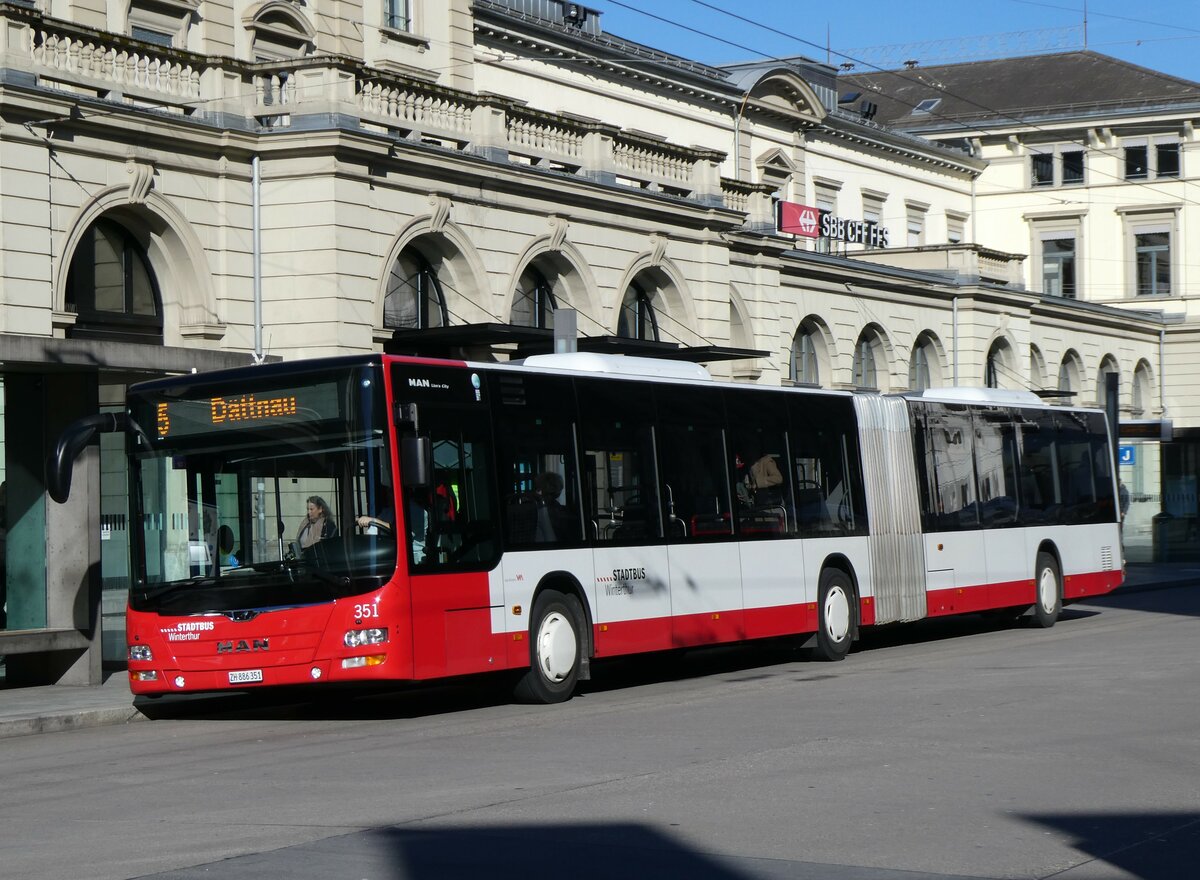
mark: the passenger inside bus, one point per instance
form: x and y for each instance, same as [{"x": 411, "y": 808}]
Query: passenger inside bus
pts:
[
  {"x": 317, "y": 524},
  {"x": 225, "y": 542}
]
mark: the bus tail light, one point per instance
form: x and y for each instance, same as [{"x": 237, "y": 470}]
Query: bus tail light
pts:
[
  {"x": 359, "y": 662},
  {"x": 140, "y": 652},
  {"x": 357, "y": 638}
]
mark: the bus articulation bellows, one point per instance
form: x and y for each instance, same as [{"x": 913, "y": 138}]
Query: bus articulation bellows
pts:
[{"x": 534, "y": 516}]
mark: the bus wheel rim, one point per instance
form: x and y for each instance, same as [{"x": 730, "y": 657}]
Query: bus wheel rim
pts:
[
  {"x": 556, "y": 647},
  {"x": 1047, "y": 590},
  {"x": 837, "y": 614}
]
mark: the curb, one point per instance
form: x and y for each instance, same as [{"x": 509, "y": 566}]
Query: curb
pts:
[{"x": 69, "y": 720}]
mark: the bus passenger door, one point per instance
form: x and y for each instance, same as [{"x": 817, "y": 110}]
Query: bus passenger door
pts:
[
  {"x": 1009, "y": 568},
  {"x": 707, "y": 605},
  {"x": 956, "y": 571}
]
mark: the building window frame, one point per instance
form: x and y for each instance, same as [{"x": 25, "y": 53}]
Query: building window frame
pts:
[
  {"x": 161, "y": 22},
  {"x": 805, "y": 366},
  {"x": 1151, "y": 250},
  {"x": 956, "y": 227},
  {"x": 916, "y": 222},
  {"x": 1047, "y": 236},
  {"x": 1057, "y": 165},
  {"x": 398, "y": 15},
  {"x": 111, "y": 251},
  {"x": 417, "y": 284},
  {"x": 535, "y": 300},
  {"x": 1153, "y": 158},
  {"x": 638, "y": 318},
  {"x": 869, "y": 361}
]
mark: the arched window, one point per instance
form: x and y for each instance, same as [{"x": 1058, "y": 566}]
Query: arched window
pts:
[
  {"x": 534, "y": 302},
  {"x": 923, "y": 365},
  {"x": 637, "y": 319},
  {"x": 1142, "y": 393},
  {"x": 866, "y": 373},
  {"x": 1037, "y": 368},
  {"x": 111, "y": 287},
  {"x": 1107, "y": 366},
  {"x": 279, "y": 31},
  {"x": 1068, "y": 373},
  {"x": 414, "y": 298},
  {"x": 996, "y": 367},
  {"x": 805, "y": 368}
]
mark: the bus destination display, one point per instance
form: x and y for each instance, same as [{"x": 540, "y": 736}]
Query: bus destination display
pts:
[{"x": 278, "y": 406}]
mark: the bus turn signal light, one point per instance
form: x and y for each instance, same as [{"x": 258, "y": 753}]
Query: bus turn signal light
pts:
[{"x": 359, "y": 662}]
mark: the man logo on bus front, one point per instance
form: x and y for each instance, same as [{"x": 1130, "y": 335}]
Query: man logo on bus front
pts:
[{"x": 242, "y": 646}]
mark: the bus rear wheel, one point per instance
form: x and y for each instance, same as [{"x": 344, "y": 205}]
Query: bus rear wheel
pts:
[
  {"x": 555, "y": 649},
  {"x": 835, "y": 615},
  {"x": 1048, "y": 583}
]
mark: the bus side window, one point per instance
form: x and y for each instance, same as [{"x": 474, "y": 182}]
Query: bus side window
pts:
[
  {"x": 691, "y": 449},
  {"x": 950, "y": 438},
  {"x": 1040, "y": 492},
  {"x": 825, "y": 466},
  {"x": 452, "y": 521},
  {"x": 617, "y": 437},
  {"x": 539, "y": 487},
  {"x": 996, "y": 466}
]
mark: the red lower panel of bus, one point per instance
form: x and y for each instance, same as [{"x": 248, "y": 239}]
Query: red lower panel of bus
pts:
[{"x": 965, "y": 600}]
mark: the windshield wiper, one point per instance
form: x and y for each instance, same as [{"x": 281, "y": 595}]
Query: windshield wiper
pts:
[{"x": 175, "y": 586}]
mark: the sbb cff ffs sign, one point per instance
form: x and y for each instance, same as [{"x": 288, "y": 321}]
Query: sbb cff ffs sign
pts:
[{"x": 810, "y": 222}]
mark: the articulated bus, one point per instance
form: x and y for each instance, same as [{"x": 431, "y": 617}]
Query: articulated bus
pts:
[{"x": 533, "y": 516}]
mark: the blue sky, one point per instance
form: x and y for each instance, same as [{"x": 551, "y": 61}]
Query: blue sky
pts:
[{"x": 1160, "y": 34}]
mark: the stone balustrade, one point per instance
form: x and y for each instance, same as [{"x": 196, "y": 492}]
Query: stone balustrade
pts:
[{"x": 116, "y": 68}]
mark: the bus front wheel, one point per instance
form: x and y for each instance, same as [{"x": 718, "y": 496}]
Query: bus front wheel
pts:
[
  {"x": 555, "y": 649},
  {"x": 835, "y": 615},
  {"x": 1049, "y": 592}
]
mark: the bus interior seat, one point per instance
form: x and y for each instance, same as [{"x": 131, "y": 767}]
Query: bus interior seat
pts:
[{"x": 522, "y": 515}]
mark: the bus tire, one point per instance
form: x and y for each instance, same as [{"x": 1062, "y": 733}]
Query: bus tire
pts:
[
  {"x": 835, "y": 615},
  {"x": 555, "y": 649},
  {"x": 1048, "y": 584}
]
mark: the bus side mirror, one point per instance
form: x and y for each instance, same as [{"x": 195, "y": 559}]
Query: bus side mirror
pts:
[
  {"x": 416, "y": 461},
  {"x": 78, "y": 434}
]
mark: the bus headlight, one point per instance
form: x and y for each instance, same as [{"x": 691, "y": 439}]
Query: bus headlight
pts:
[
  {"x": 140, "y": 652},
  {"x": 356, "y": 638}
]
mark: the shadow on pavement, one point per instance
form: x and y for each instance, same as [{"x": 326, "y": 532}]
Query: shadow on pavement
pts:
[
  {"x": 1181, "y": 599},
  {"x": 1147, "y": 845},
  {"x": 595, "y": 851}
]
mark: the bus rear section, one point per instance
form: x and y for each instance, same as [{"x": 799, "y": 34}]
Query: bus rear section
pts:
[{"x": 1014, "y": 507}]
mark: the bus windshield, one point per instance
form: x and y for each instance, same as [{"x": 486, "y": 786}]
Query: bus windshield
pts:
[{"x": 251, "y": 490}]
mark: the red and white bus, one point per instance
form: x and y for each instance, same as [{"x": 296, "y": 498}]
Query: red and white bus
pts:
[{"x": 533, "y": 516}]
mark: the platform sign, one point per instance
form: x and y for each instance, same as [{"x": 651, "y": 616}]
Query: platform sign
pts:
[{"x": 1127, "y": 455}]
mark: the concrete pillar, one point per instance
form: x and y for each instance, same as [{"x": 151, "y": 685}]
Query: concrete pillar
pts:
[{"x": 57, "y": 547}]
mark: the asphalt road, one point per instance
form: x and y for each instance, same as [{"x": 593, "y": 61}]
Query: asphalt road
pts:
[{"x": 944, "y": 750}]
